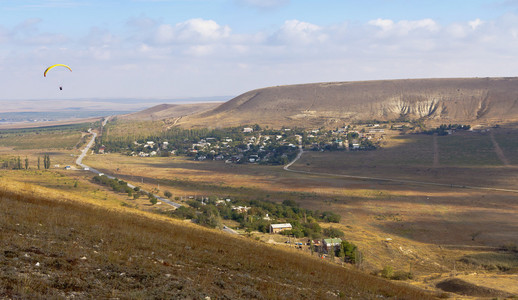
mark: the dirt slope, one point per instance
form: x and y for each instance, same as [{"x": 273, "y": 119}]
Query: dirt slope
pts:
[
  {"x": 165, "y": 111},
  {"x": 481, "y": 100}
]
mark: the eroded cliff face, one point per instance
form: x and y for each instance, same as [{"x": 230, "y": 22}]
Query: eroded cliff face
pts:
[
  {"x": 431, "y": 108},
  {"x": 447, "y": 100}
]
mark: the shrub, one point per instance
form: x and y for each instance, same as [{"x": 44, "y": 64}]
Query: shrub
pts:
[
  {"x": 387, "y": 272},
  {"x": 401, "y": 275}
]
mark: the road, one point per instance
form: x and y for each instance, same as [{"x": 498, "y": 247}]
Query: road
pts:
[
  {"x": 286, "y": 167},
  {"x": 79, "y": 162},
  {"x": 229, "y": 230}
]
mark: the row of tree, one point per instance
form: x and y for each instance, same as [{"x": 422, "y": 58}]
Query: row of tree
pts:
[{"x": 16, "y": 163}]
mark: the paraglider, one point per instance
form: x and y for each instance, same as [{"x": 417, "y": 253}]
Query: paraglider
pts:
[{"x": 53, "y": 66}]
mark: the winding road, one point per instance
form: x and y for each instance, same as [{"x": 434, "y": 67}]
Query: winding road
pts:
[{"x": 79, "y": 162}]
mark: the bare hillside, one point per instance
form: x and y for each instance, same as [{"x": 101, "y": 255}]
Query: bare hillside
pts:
[
  {"x": 481, "y": 100},
  {"x": 166, "y": 111},
  {"x": 61, "y": 249}
]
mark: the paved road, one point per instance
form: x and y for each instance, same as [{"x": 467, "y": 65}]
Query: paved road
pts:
[{"x": 79, "y": 161}]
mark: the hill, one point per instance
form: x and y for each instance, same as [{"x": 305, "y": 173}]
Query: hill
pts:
[
  {"x": 62, "y": 248},
  {"x": 164, "y": 111},
  {"x": 480, "y": 100}
]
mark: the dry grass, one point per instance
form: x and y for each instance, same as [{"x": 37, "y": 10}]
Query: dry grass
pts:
[
  {"x": 332, "y": 104},
  {"x": 61, "y": 248}
]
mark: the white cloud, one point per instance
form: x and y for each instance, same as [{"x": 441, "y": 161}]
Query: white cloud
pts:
[
  {"x": 475, "y": 23},
  {"x": 192, "y": 31},
  {"x": 298, "y": 32},
  {"x": 201, "y": 52},
  {"x": 404, "y": 27}
]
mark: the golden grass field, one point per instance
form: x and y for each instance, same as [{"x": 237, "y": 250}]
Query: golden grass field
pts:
[
  {"x": 63, "y": 243},
  {"x": 428, "y": 230}
]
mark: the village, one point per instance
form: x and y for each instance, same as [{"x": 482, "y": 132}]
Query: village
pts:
[{"x": 252, "y": 144}]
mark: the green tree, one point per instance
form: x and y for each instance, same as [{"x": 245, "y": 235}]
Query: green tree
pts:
[
  {"x": 333, "y": 232},
  {"x": 210, "y": 217},
  {"x": 168, "y": 194},
  {"x": 341, "y": 252},
  {"x": 38, "y": 162},
  {"x": 26, "y": 163},
  {"x": 46, "y": 161},
  {"x": 152, "y": 199}
]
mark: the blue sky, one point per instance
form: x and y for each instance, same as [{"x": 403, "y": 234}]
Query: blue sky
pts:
[{"x": 200, "y": 48}]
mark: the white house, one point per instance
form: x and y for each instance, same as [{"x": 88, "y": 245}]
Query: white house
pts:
[{"x": 275, "y": 228}]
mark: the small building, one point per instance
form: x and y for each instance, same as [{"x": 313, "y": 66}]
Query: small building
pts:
[
  {"x": 241, "y": 209},
  {"x": 101, "y": 149},
  {"x": 276, "y": 228},
  {"x": 248, "y": 130},
  {"x": 331, "y": 244}
]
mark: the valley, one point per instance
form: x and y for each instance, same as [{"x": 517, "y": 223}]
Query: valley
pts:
[{"x": 423, "y": 207}]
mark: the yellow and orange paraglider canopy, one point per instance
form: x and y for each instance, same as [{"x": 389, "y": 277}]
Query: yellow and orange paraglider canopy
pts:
[{"x": 56, "y": 65}]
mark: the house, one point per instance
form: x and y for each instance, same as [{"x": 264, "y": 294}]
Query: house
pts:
[
  {"x": 241, "y": 209},
  {"x": 275, "y": 228},
  {"x": 68, "y": 168},
  {"x": 248, "y": 130},
  {"x": 101, "y": 149},
  {"x": 317, "y": 245},
  {"x": 331, "y": 244}
]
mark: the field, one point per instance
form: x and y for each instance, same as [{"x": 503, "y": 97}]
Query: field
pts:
[{"x": 439, "y": 214}]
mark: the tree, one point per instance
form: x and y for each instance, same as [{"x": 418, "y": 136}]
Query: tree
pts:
[
  {"x": 152, "y": 199},
  {"x": 38, "y": 162},
  {"x": 26, "y": 163},
  {"x": 333, "y": 232},
  {"x": 46, "y": 161},
  {"x": 168, "y": 194},
  {"x": 350, "y": 252},
  {"x": 341, "y": 252},
  {"x": 210, "y": 217}
]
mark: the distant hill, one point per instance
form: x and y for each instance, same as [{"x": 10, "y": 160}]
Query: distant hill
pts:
[
  {"x": 165, "y": 111},
  {"x": 469, "y": 100}
]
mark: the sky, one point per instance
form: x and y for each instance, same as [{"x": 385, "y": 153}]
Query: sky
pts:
[{"x": 172, "y": 49}]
